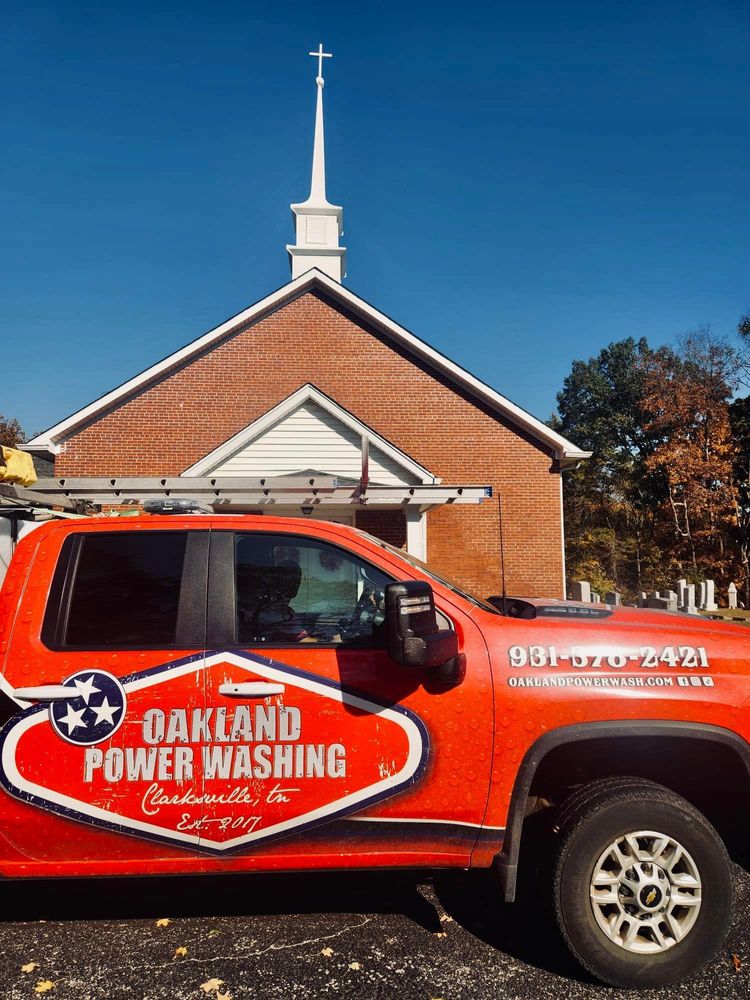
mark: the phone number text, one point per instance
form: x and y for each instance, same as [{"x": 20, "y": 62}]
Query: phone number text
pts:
[{"x": 644, "y": 657}]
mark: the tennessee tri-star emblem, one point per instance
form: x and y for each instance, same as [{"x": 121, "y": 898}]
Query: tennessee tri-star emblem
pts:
[
  {"x": 213, "y": 753},
  {"x": 95, "y": 710}
]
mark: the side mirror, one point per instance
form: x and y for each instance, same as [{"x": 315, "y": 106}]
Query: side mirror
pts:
[{"x": 414, "y": 639}]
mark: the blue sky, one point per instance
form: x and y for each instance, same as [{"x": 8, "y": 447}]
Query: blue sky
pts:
[{"x": 522, "y": 183}]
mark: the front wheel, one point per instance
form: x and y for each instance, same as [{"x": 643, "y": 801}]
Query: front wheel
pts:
[{"x": 643, "y": 884}]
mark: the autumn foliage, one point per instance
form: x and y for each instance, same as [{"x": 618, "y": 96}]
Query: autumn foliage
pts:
[
  {"x": 665, "y": 494},
  {"x": 11, "y": 432}
]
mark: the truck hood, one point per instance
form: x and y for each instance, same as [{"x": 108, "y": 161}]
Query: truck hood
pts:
[{"x": 600, "y": 616}]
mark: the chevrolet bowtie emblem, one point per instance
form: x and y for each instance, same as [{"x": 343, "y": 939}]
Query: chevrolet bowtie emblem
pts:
[{"x": 651, "y": 897}]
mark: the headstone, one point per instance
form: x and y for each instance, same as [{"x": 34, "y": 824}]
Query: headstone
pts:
[
  {"x": 612, "y": 597},
  {"x": 732, "y": 595},
  {"x": 709, "y": 603},
  {"x": 671, "y": 595},
  {"x": 663, "y": 603},
  {"x": 681, "y": 592},
  {"x": 643, "y": 600},
  {"x": 689, "y": 605},
  {"x": 702, "y": 595},
  {"x": 580, "y": 590},
  {"x": 595, "y": 598}
]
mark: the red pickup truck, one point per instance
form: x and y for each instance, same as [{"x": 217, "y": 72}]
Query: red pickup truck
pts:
[{"x": 246, "y": 693}]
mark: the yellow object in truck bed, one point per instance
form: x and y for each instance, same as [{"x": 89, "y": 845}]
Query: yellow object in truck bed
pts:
[{"x": 16, "y": 467}]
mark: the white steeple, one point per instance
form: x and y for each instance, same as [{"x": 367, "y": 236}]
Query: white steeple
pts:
[{"x": 318, "y": 223}]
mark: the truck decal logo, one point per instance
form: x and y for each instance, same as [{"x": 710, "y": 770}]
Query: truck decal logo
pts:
[{"x": 194, "y": 753}]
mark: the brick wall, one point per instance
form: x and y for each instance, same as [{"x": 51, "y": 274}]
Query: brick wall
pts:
[
  {"x": 389, "y": 525},
  {"x": 171, "y": 424}
]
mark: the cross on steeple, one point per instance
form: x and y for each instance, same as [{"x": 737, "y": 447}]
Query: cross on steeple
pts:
[{"x": 321, "y": 55}]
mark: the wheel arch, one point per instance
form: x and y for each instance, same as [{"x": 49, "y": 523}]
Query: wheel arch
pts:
[{"x": 699, "y": 735}]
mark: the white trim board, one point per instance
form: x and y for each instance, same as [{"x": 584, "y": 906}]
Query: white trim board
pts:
[
  {"x": 307, "y": 393},
  {"x": 565, "y": 451}
]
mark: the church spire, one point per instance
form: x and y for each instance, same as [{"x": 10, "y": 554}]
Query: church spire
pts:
[
  {"x": 318, "y": 179},
  {"x": 318, "y": 223}
]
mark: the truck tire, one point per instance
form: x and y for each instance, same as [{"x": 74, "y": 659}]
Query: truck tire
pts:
[{"x": 643, "y": 884}]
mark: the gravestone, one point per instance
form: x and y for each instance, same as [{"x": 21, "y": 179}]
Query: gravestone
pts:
[
  {"x": 595, "y": 598},
  {"x": 732, "y": 596},
  {"x": 702, "y": 594},
  {"x": 689, "y": 605},
  {"x": 709, "y": 602},
  {"x": 580, "y": 590},
  {"x": 681, "y": 592},
  {"x": 612, "y": 597},
  {"x": 663, "y": 603},
  {"x": 643, "y": 600}
]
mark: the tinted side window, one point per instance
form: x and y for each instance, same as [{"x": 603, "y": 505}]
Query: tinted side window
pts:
[
  {"x": 126, "y": 590},
  {"x": 298, "y": 590}
]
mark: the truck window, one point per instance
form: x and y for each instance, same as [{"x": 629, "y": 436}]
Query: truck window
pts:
[
  {"x": 413, "y": 561},
  {"x": 293, "y": 590},
  {"x": 126, "y": 590}
]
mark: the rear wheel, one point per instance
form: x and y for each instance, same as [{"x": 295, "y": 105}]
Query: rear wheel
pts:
[{"x": 643, "y": 883}]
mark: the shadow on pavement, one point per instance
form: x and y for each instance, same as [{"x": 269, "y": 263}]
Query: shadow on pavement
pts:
[
  {"x": 217, "y": 895},
  {"x": 525, "y": 930}
]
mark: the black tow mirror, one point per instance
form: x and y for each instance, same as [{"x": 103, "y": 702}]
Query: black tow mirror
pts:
[{"x": 414, "y": 639}]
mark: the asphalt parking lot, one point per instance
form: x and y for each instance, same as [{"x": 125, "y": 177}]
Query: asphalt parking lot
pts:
[{"x": 363, "y": 936}]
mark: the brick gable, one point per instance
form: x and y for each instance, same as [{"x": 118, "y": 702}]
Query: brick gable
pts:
[{"x": 171, "y": 424}]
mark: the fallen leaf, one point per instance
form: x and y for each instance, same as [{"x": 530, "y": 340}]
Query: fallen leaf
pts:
[
  {"x": 354, "y": 966},
  {"x": 327, "y": 952},
  {"x": 179, "y": 952},
  {"x": 44, "y": 986},
  {"x": 737, "y": 963},
  {"x": 223, "y": 996},
  {"x": 214, "y": 932},
  {"x": 29, "y": 967},
  {"x": 212, "y": 985},
  {"x": 163, "y": 922},
  {"x": 440, "y": 934},
  {"x": 445, "y": 919}
]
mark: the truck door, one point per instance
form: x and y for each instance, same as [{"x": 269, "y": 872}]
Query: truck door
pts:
[
  {"x": 106, "y": 654},
  {"x": 319, "y": 746}
]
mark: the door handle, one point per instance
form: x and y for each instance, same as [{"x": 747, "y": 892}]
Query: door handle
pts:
[
  {"x": 251, "y": 689},
  {"x": 46, "y": 692}
]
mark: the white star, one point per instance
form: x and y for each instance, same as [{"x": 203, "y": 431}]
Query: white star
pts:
[
  {"x": 105, "y": 712},
  {"x": 86, "y": 689},
  {"x": 73, "y": 720}
]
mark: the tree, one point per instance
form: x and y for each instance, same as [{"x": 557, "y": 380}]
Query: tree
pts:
[
  {"x": 609, "y": 499},
  {"x": 11, "y": 432},
  {"x": 686, "y": 407},
  {"x": 739, "y": 420},
  {"x": 666, "y": 492}
]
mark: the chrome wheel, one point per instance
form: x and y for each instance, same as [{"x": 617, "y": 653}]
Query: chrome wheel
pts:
[{"x": 645, "y": 892}]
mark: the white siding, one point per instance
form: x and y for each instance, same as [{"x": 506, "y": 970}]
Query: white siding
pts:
[{"x": 311, "y": 438}]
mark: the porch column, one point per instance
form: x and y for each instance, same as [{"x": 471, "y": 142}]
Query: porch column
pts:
[{"x": 416, "y": 533}]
